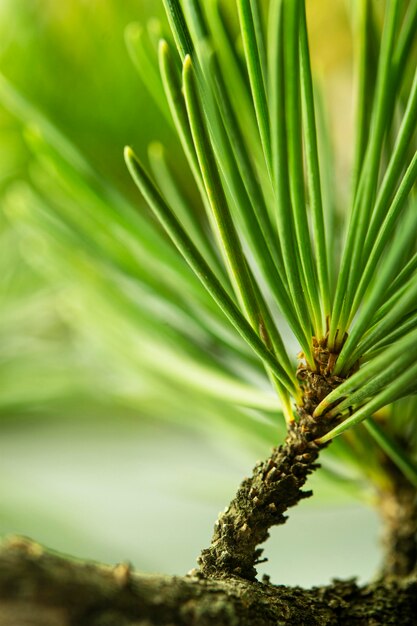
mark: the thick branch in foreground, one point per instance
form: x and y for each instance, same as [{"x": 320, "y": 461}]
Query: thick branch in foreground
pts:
[
  {"x": 43, "y": 589},
  {"x": 275, "y": 485}
]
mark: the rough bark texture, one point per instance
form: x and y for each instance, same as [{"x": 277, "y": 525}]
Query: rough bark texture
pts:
[
  {"x": 38, "y": 588},
  {"x": 275, "y": 485},
  {"x": 43, "y": 589}
]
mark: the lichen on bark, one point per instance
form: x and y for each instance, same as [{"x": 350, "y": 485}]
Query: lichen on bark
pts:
[
  {"x": 38, "y": 588},
  {"x": 277, "y": 483}
]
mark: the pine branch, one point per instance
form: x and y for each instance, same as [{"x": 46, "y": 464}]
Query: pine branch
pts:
[
  {"x": 276, "y": 483},
  {"x": 39, "y": 588}
]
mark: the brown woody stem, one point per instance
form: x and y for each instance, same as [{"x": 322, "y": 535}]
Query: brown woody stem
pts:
[
  {"x": 275, "y": 485},
  {"x": 38, "y": 588}
]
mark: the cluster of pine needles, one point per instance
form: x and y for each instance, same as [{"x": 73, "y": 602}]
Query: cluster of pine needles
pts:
[{"x": 274, "y": 263}]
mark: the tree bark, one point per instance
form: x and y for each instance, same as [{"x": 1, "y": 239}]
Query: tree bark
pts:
[
  {"x": 261, "y": 501},
  {"x": 38, "y": 588},
  {"x": 276, "y": 484}
]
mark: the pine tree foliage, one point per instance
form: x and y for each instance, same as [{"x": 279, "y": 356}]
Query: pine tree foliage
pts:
[{"x": 244, "y": 274}]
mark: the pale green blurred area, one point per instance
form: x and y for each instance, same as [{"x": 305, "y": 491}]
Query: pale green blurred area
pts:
[
  {"x": 97, "y": 457},
  {"x": 70, "y": 59}
]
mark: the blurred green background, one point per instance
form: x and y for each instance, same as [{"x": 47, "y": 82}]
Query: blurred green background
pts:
[{"x": 100, "y": 456}]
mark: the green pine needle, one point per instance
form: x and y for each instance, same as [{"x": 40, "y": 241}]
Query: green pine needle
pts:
[
  {"x": 280, "y": 261},
  {"x": 195, "y": 260}
]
